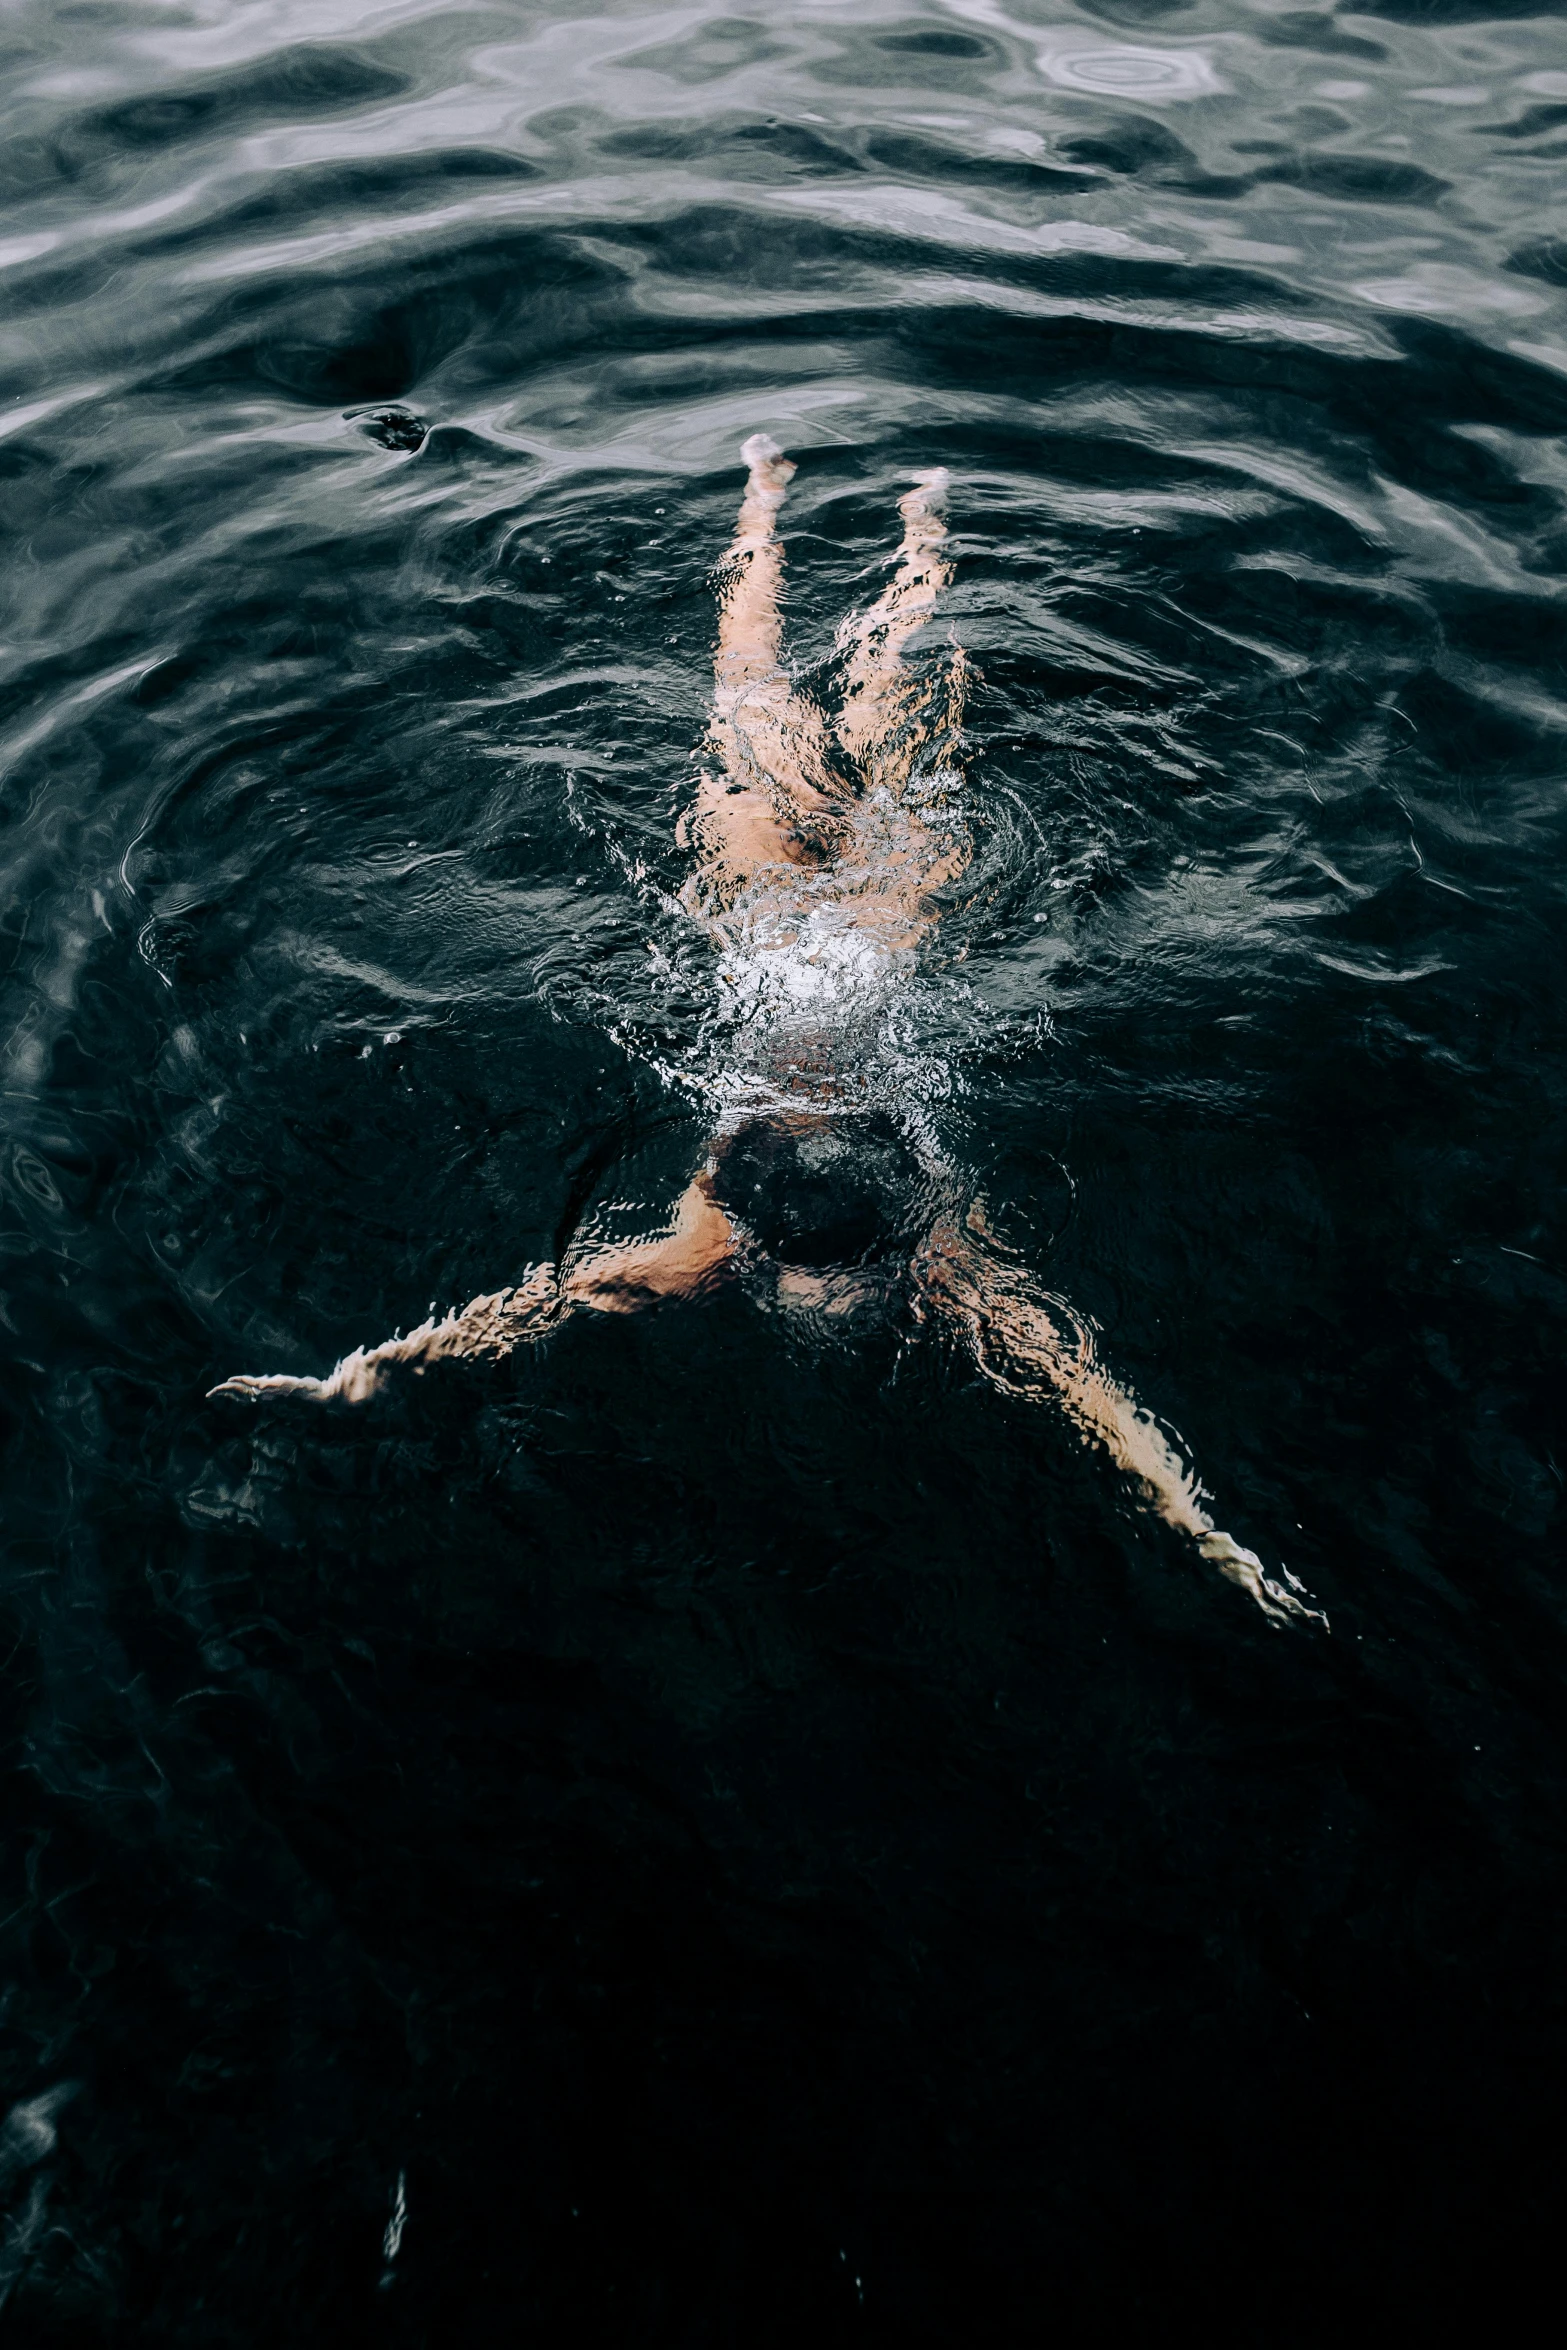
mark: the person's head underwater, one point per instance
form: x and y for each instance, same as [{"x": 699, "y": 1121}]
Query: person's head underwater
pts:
[{"x": 822, "y": 1191}]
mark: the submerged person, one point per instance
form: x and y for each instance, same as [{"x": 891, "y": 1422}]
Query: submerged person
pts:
[{"x": 815, "y": 858}]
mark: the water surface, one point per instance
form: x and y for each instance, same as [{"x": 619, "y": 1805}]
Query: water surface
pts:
[{"x": 724, "y": 1827}]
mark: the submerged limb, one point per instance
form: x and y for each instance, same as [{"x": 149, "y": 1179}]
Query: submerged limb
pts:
[
  {"x": 1023, "y": 1341},
  {"x": 772, "y": 801},
  {"x": 909, "y": 840},
  {"x": 887, "y": 713},
  {"x": 484, "y": 1330},
  {"x": 772, "y": 789},
  {"x": 682, "y": 1263}
]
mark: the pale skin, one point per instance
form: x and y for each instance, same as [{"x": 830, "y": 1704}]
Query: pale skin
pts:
[{"x": 787, "y": 809}]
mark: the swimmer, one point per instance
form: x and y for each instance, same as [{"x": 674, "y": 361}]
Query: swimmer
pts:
[{"x": 816, "y": 855}]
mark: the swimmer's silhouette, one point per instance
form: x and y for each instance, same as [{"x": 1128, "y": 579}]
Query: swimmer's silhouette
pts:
[{"x": 814, "y": 860}]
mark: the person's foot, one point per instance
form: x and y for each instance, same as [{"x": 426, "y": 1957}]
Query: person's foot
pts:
[
  {"x": 770, "y": 470},
  {"x": 928, "y": 496}
]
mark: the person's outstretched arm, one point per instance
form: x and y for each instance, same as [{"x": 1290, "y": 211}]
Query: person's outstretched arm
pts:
[
  {"x": 683, "y": 1262},
  {"x": 1025, "y": 1341}
]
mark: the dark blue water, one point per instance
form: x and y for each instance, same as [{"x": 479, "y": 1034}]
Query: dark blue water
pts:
[{"x": 725, "y": 1827}]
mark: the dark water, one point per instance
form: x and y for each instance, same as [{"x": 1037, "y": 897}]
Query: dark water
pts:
[{"x": 720, "y": 1830}]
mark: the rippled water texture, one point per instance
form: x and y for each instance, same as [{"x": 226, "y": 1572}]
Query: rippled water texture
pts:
[{"x": 725, "y": 1827}]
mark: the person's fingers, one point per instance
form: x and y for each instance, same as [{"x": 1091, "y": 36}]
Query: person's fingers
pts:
[
  {"x": 1244, "y": 1568},
  {"x": 251, "y": 1387}
]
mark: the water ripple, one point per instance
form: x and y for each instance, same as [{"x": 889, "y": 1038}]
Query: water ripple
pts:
[{"x": 782, "y": 1769}]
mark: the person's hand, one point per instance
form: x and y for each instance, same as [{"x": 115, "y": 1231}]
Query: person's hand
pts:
[
  {"x": 354, "y": 1380},
  {"x": 252, "y": 1387},
  {"x": 1245, "y": 1569},
  {"x": 484, "y": 1330}
]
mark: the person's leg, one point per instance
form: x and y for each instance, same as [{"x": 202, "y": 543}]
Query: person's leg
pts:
[
  {"x": 888, "y": 714},
  {"x": 909, "y": 841},
  {"x": 772, "y": 799}
]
